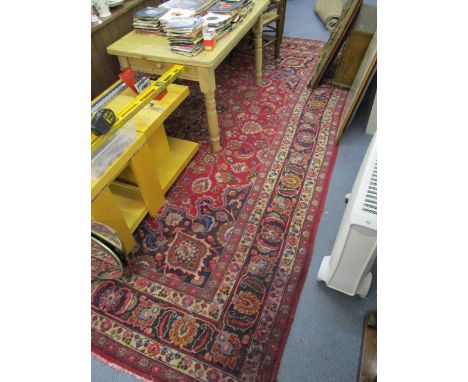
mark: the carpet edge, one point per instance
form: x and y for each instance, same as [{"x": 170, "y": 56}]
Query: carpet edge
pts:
[
  {"x": 308, "y": 262},
  {"x": 116, "y": 366}
]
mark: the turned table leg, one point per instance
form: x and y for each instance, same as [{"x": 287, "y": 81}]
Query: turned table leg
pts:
[
  {"x": 208, "y": 87},
  {"x": 258, "y": 31}
]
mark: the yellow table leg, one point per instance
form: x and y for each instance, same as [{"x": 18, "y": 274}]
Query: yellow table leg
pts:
[
  {"x": 258, "y": 31},
  {"x": 208, "y": 87},
  {"x": 104, "y": 209},
  {"x": 146, "y": 177}
]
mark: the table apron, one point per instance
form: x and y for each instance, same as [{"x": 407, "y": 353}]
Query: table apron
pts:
[{"x": 157, "y": 67}]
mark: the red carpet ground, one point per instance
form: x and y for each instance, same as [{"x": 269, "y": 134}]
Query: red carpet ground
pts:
[{"x": 218, "y": 273}]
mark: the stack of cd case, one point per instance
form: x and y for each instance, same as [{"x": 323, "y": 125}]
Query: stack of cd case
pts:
[
  {"x": 185, "y": 35},
  {"x": 173, "y": 14},
  {"x": 234, "y": 9},
  {"x": 221, "y": 23},
  {"x": 200, "y": 7},
  {"x": 147, "y": 19}
]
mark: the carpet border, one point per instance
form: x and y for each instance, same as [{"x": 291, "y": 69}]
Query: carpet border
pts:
[
  {"x": 308, "y": 262},
  {"x": 118, "y": 366}
]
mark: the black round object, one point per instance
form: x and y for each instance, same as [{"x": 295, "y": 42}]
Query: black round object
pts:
[{"x": 102, "y": 121}]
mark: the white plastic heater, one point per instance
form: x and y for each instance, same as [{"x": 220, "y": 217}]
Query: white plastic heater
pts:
[{"x": 347, "y": 269}]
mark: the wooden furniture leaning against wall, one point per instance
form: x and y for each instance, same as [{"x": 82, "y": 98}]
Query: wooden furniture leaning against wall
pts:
[
  {"x": 367, "y": 371},
  {"x": 356, "y": 46},
  {"x": 275, "y": 13},
  {"x": 337, "y": 36},
  {"x": 366, "y": 72},
  {"x": 104, "y": 68}
]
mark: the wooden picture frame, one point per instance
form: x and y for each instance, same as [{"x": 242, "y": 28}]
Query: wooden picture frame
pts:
[
  {"x": 366, "y": 72},
  {"x": 329, "y": 50}
]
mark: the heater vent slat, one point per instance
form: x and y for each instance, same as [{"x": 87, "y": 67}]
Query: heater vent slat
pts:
[{"x": 369, "y": 202}]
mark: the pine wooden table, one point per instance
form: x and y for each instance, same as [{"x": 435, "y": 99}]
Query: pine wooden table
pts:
[{"x": 151, "y": 54}]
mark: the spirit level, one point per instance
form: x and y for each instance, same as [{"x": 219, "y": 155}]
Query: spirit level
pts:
[{"x": 139, "y": 102}]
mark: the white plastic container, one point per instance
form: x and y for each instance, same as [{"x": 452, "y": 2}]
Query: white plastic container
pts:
[{"x": 102, "y": 158}]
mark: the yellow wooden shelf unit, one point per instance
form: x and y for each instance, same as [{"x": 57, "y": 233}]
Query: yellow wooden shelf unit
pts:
[
  {"x": 169, "y": 155},
  {"x": 136, "y": 182},
  {"x": 130, "y": 202},
  {"x": 123, "y": 207}
]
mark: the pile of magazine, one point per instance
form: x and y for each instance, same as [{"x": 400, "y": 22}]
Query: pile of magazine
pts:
[
  {"x": 147, "y": 19},
  {"x": 173, "y": 14},
  {"x": 235, "y": 9},
  {"x": 181, "y": 21},
  {"x": 185, "y": 35},
  {"x": 220, "y": 23},
  {"x": 200, "y": 7}
]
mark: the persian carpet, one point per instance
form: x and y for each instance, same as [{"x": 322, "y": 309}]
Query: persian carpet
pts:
[{"x": 218, "y": 273}]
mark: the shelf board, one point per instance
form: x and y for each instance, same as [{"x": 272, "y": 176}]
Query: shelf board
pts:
[
  {"x": 176, "y": 160},
  {"x": 170, "y": 168},
  {"x": 130, "y": 203},
  {"x": 147, "y": 120}
]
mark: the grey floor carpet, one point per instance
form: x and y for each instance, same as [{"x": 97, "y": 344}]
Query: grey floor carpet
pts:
[{"x": 325, "y": 338}]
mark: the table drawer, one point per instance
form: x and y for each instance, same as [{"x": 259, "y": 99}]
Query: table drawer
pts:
[{"x": 158, "y": 67}]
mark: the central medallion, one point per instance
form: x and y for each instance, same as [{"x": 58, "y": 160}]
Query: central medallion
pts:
[{"x": 186, "y": 254}]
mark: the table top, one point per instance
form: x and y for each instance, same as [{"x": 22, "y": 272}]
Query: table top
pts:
[
  {"x": 156, "y": 48},
  {"x": 147, "y": 119}
]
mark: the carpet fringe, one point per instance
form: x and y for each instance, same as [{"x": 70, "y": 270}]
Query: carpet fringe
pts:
[{"x": 119, "y": 369}]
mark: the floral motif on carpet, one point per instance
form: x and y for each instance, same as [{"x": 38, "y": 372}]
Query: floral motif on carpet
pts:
[{"x": 217, "y": 274}]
